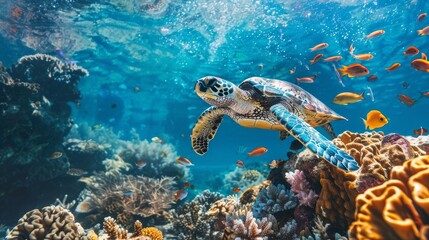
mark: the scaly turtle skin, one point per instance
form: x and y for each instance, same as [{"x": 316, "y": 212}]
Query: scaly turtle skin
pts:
[{"x": 268, "y": 104}]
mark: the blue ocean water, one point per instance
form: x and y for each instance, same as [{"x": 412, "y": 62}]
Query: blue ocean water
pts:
[{"x": 145, "y": 56}]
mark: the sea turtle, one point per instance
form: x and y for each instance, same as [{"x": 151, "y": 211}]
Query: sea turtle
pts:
[{"x": 269, "y": 104}]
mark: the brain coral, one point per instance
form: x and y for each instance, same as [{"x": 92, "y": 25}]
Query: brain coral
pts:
[
  {"x": 397, "y": 209},
  {"x": 336, "y": 203},
  {"x": 49, "y": 223}
]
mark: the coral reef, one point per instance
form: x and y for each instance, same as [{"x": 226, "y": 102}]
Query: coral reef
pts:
[
  {"x": 160, "y": 158},
  {"x": 125, "y": 196},
  {"x": 301, "y": 187},
  {"x": 275, "y": 199},
  {"x": 421, "y": 141},
  {"x": 250, "y": 228},
  {"x": 397, "y": 209},
  {"x": 190, "y": 221},
  {"x": 84, "y": 154},
  {"x": 35, "y": 118},
  {"x": 152, "y": 233},
  {"x": 241, "y": 178},
  {"x": 49, "y": 223},
  {"x": 115, "y": 232},
  {"x": 251, "y": 175},
  {"x": 336, "y": 203}
]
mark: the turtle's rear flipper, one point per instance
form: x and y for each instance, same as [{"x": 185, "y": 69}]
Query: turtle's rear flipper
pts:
[
  {"x": 205, "y": 129},
  {"x": 328, "y": 127},
  {"x": 313, "y": 140}
]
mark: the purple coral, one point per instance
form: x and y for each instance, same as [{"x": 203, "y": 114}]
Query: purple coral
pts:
[{"x": 301, "y": 187}]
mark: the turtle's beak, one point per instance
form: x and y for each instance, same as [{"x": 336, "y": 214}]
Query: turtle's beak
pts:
[{"x": 202, "y": 85}]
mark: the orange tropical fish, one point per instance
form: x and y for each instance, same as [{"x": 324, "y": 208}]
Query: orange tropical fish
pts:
[
  {"x": 375, "y": 119},
  {"x": 420, "y": 65},
  {"x": 240, "y": 164},
  {"x": 257, "y": 152},
  {"x": 424, "y": 31},
  {"x": 372, "y": 78},
  {"x": 354, "y": 70},
  {"x": 424, "y": 57},
  {"x": 307, "y": 79},
  {"x": 319, "y": 46},
  {"x": 186, "y": 184},
  {"x": 406, "y": 100},
  {"x": 333, "y": 59},
  {"x": 375, "y": 34},
  {"x": 393, "y": 67},
  {"x": 236, "y": 190},
  {"x": 184, "y": 161},
  {"x": 425, "y": 94},
  {"x": 363, "y": 56},
  {"x": 421, "y": 17},
  {"x": 316, "y": 58},
  {"x": 411, "y": 51},
  {"x": 180, "y": 195},
  {"x": 420, "y": 131}
]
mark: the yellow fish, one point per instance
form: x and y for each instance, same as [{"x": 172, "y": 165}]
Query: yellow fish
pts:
[
  {"x": 375, "y": 119},
  {"x": 345, "y": 98}
]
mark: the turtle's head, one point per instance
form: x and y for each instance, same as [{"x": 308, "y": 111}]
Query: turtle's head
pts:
[{"x": 216, "y": 91}]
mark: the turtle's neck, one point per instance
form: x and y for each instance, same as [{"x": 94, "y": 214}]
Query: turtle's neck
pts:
[{"x": 242, "y": 104}]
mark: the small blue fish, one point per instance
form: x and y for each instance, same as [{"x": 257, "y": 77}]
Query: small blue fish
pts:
[{"x": 128, "y": 193}]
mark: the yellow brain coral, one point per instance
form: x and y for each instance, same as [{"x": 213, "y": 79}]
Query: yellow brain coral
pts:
[
  {"x": 376, "y": 154},
  {"x": 397, "y": 209},
  {"x": 151, "y": 232}
]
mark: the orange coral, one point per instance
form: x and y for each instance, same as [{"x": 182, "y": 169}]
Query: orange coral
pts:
[
  {"x": 397, "y": 209},
  {"x": 336, "y": 203},
  {"x": 152, "y": 232}
]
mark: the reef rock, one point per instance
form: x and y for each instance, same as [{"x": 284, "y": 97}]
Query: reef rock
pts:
[
  {"x": 34, "y": 118},
  {"x": 85, "y": 154}
]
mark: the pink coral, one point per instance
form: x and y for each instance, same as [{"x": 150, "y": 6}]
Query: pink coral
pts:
[{"x": 301, "y": 187}]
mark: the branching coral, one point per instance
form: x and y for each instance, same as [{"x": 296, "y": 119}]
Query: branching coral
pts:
[
  {"x": 116, "y": 232},
  {"x": 301, "y": 187},
  {"x": 273, "y": 200},
  {"x": 191, "y": 221},
  {"x": 339, "y": 188},
  {"x": 49, "y": 223},
  {"x": 397, "y": 209},
  {"x": 125, "y": 196},
  {"x": 249, "y": 227},
  {"x": 160, "y": 158}
]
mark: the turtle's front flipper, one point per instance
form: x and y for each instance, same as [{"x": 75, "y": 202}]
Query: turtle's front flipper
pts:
[
  {"x": 205, "y": 128},
  {"x": 313, "y": 140}
]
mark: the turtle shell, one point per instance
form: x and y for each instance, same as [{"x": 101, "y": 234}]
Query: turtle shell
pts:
[{"x": 292, "y": 94}]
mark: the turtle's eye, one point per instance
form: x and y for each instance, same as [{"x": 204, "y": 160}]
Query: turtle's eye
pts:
[{"x": 210, "y": 82}]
